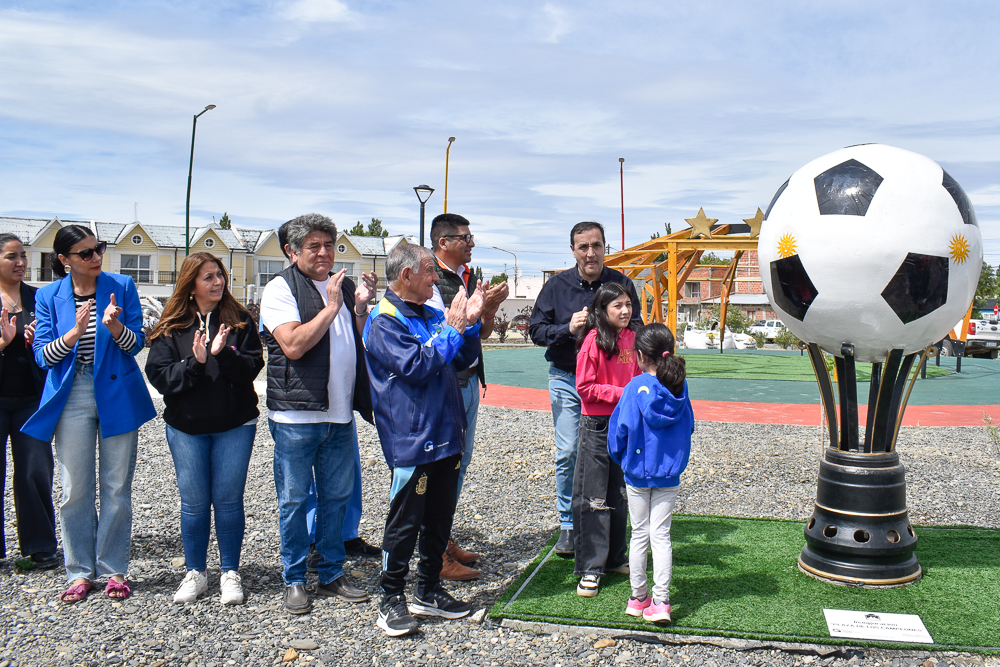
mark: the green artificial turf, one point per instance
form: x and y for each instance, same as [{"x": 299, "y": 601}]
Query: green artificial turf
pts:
[
  {"x": 739, "y": 578},
  {"x": 767, "y": 366}
]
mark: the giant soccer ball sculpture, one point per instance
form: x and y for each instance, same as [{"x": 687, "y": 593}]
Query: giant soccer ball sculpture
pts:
[{"x": 870, "y": 253}]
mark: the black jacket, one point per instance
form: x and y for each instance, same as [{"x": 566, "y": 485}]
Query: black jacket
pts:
[
  {"x": 564, "y": 294},
  {"x": 26, "y": 317},
  {"x": 303, "y": 384},
  {"x": 448, "y": 284},
  {"x": 212, "y": 397}
]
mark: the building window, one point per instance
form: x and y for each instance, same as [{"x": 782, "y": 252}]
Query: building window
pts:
[
  {"x": 337, "y": 266},
  {"x": 266, "y": 269},
  {"x": 692, "y": 290},
  {"x": 342, "y": 248},
  {"x": 136, "y": 239},
  {"x": 209, "y": 243},
  {"x": 136, "y": 266}
]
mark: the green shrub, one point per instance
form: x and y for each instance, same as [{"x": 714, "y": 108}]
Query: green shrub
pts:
[{"x": 786, "y": 339}]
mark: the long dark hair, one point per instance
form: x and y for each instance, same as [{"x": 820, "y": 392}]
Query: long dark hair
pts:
[
  {"x": 597, "y": 318},
  {"x": 66, "y": 238},
  {"x": 180, "y": 310},
  {"x": 656, "y": 342}
]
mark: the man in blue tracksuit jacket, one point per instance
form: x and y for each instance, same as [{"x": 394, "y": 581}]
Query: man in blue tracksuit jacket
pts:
[{"x": 420, "y": 417}]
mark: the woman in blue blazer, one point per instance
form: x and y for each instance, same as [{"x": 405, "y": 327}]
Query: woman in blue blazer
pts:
[{"x": 89, "y": 328}]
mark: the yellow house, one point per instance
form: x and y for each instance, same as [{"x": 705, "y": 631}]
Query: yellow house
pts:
[{"x": 152, "y": 254}]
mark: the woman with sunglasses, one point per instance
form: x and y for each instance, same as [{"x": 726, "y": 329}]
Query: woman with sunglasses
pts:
[
  {"x": 88, "y": 329},
  {"x": 20, "y": 389}
]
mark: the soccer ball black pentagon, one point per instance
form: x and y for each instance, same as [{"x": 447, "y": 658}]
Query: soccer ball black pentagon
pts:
[{"x": 873, "y": 246}]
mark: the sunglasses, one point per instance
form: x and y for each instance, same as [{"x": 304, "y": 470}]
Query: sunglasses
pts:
[
  {"x": 87, "y": 254},
  {"x": 467, "y": 238}
]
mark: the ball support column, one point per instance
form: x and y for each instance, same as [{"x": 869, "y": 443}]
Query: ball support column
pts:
[{"x": 860, "y": 532}]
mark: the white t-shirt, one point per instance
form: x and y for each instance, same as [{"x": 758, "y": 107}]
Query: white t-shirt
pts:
[{"x": 277, "y": 307}]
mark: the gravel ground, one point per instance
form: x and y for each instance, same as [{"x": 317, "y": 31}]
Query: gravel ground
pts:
[{"x": 507, "y": 513}]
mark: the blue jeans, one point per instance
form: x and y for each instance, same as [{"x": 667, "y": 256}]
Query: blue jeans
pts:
[
  {"x": 93, "y": 546},
  {"x": 301, "y": 451},
  {"x": 566, "y": 418},
  {"x": 471, "y": 397},
  {"x": 212, "y": 473},
  {"x": 353, "y": 517}
]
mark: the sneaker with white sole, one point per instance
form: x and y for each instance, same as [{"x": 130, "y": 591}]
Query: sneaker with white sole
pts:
[
  {"x": 394, "y": 618},
  {"x": 438, "y": 603},
  {"x": 194, "y": 584},
  {"x": 658, "y": 612},
  {"x": 589, "y": 585},
  {"x": 232, "y": 587}
]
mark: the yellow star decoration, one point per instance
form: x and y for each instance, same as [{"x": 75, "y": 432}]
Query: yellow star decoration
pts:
[
  {"x": 754, "y": 223},
  {"x": 786, "y": 246},
  {"x": 700, "y": 224},
  {"x": 959, "y": 248}
]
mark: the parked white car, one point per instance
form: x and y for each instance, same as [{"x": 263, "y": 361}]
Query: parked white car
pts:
[{"x": 770, "y": 329}]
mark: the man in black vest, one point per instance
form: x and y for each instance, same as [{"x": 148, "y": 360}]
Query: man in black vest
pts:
[
  {"x": 316, "y": 377},
  {"x": 453, "y": 244}
]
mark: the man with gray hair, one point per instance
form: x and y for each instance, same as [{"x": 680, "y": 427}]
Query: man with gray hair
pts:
[
  {"x": 316, "y": 377},
  {"x": 420, "y": 417}
]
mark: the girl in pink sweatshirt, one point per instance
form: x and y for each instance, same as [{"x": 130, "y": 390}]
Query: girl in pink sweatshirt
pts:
[{"x": 605, "y": 363}]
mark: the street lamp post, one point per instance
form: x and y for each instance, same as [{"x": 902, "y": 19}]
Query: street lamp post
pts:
[
  {"x": 447, "y": 153},
  {"x": 515, "y": 267},
  {"x": 621, "y": 175},
  {"x": 426, "y": 191},
  {"x": 187, "y": 208}
]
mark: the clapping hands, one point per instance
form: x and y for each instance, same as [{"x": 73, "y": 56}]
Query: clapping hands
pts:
[
  {"x": 199, "y": 347},
  {"x": 110, "y": 319},
  {"x": 8, "y": 328},
  {"x": 457, "y": 314}
]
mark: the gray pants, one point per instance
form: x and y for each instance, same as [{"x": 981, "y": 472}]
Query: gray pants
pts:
[{"x": 651, "y": 511}]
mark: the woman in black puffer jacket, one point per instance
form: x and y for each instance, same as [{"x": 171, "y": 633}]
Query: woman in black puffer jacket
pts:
[{"x": 204, "y": 358}]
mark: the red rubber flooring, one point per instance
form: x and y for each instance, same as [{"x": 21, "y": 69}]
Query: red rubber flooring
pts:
[{"x": 763, "y": 413}]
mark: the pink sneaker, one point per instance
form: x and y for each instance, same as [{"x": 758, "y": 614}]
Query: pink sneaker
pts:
[
  {"x": 658, "y": 612},
  {"x": 635, "y": 606}
]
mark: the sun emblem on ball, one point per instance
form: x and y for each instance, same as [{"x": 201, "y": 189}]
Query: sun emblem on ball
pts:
[
  {"x": 786, "y": 246},
  {"x": 959, "y": 248}
]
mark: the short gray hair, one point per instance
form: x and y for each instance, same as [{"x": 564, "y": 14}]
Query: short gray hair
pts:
[
  {"x": 304, "y": 225},
  {"x": 402, "y": 256}
]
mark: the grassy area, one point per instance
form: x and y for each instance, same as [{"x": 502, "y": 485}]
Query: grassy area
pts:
[
  {"x": 767, "y": 366},
  {"x": 738, "y": 578}
]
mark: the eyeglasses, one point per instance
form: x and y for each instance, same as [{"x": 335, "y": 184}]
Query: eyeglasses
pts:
[
  {"x": 87, "y": 254},
  {"x": 467, "y": 238}
]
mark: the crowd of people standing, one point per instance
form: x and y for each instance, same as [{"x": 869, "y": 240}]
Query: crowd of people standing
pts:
[{"x": 411, "y": 364}]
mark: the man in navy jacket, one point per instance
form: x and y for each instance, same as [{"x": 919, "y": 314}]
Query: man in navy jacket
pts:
[{"x": 420, "y": 417}]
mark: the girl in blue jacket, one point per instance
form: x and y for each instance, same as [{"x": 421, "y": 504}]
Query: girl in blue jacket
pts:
[{"x": 649, "y": 435}]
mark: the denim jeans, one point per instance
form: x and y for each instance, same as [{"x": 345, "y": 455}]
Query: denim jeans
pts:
[
  {"x": 471, "y": 397},
  {"x": 301, "y": 451},
  {"x": 33, "y": 465},
  {"x": 212, "y": 474},
  {"x": 566, "y": 417},
  {"x": 353, "y": 516},
  {"x": 600, "y": 508},
  {"x": 93, "y": 545}
]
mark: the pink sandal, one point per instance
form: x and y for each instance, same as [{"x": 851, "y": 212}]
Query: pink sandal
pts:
[
  {"x": 78, "y": 591},
  {"x": 117, "y": 587}
]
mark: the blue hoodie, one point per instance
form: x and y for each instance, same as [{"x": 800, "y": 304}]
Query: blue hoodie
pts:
[{"x": 649, "y": 434}]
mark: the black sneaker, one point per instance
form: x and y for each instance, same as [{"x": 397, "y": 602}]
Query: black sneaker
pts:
[
  {"x": 394, "y": 618},
  {"x": 438, "y": 603},
  {"x": 358, "y": 547}
]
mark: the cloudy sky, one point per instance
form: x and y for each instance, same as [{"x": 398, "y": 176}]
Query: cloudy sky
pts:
[{"x": 341, "y": 107}]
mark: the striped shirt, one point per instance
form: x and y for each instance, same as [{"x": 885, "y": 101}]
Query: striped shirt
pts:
[{"x": 57, "y": 350}]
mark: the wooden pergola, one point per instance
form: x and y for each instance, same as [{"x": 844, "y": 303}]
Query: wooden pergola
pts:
[{"x": 683, "y": 251}]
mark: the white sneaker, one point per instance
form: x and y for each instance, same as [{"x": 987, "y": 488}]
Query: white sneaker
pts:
[
  {"x": 232, "y": 588},
  {"x": 194, "y": 584}
]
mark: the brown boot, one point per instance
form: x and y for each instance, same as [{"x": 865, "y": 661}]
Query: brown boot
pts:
[
  {"x": 452, "y": 569},
  {"x": 463, "y": 556}
]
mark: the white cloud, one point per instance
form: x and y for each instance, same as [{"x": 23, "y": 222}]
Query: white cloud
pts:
[
  {"x": 316, "y": 11},
  {"x": 559, "y": 20}
]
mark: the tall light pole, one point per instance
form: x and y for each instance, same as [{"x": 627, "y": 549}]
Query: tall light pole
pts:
[
  {"x": 621, "y": 175},
  {"x": 446, "y": 156},
  {"x": 426, "y": 191},
  {"x": 515, "y": 267},
  {"x": 187, "y": 208}
]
